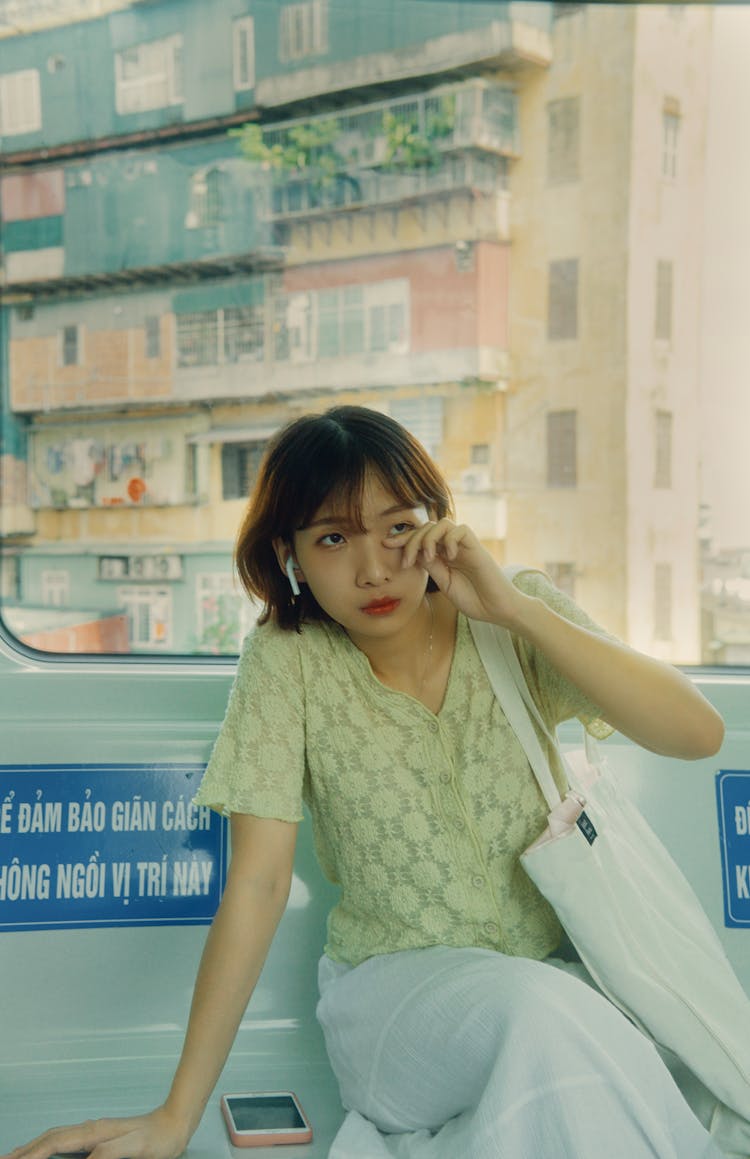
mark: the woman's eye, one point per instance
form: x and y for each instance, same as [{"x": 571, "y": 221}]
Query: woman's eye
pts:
[
  {"x": 400, "y": 528},
  {"x": 333, "y": 539}
]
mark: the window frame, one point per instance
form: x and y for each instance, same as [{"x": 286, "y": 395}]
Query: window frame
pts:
[
  {"x": 171, "y": 75},
  {"x": 33, "y": 107}
]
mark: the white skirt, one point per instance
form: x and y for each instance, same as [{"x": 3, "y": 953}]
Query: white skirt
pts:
[{"x": 448, "y": 1053}]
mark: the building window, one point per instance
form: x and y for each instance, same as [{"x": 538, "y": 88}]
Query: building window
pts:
[
  {"x": 663, "y": 449},
  {"x": 243, "y": 328},
  {"x": 243, "y": 44},
  {"x": 423, "y": 418},
  {"x": 663, "y": 601},
  {"x": 149, "y": 612},
  {"x": 562, "y": 448},
  {"x": 198, "y": 339},
  {"x": 670, "y": 137},
  {"x": 562, "y": 309},
  {"x": 225, "y": 614},
  {"x": 56, "y": 588},
  {"x": 240, "y": 463},
  {"x": 207, "y": 198},
  {"x": 149, "y": 76},
  {"x": 369, "y": 319},
  {"x": 480, "y": 454},
  {"x": 563, "y": 140},
  {"x": 20, "y": 102},
  {"x": 664, "y": 305},
  {"x": 563, "y": 576},
  {"x": 218, "y": 337},
  {"x": 70, "y": 346},
  {"x": 153, "y": 336},
  {"x": 303, "y": 30}
]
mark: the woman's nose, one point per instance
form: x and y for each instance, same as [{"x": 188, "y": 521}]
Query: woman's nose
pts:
[{"x": 374, "y": 564}]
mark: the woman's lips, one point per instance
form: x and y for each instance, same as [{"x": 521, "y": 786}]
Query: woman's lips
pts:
[{"x": 381, "y": 607}]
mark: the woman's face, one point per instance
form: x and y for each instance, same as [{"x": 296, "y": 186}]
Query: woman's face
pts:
[{"x": 356, "y": 576}]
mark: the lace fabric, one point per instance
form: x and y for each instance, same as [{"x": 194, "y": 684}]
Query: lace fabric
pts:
[{"x": 420, "y": 818}]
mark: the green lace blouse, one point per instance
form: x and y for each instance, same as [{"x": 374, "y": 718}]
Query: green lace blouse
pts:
[{"x": 419, "y": 818}]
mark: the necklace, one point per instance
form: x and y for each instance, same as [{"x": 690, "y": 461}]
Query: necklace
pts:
[{"x": 428, "y": 654}]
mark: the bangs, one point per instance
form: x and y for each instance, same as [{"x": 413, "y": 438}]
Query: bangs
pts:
[
  {"x": 344, "y": 494},
  {"x": 338, "y": 466}
]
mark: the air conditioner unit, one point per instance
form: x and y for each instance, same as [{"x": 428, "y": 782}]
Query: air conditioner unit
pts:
[{"x": 475, "y": 479}]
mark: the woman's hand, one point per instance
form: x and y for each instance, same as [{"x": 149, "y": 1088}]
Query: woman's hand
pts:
[
  {"x": 464, "y": 571},
  {"x": 154, "y": 1136}
]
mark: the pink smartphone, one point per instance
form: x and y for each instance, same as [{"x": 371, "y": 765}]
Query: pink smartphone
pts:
[{"x": 262, "y": 1118}]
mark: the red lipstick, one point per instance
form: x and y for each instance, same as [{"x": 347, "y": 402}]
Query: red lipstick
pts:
[{"x": 381, "y": 607}]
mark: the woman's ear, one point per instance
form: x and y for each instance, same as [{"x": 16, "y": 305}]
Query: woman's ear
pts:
[{"x": 284, "y": 554}]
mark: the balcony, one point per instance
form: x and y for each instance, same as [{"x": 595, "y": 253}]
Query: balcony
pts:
[
  {"x": 305, "y": 197},
  {"x": 459, "y": 136}
]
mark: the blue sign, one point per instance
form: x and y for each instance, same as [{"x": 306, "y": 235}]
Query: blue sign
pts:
[
  {"x": 733, "y": 798},
  {"x": 107, "y": 845}
]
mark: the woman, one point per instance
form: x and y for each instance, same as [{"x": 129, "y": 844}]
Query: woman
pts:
[{"x": 362, "y": 694}]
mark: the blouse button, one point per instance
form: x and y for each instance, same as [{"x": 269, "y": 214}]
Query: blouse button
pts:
[
  {"x": 492, "y": 930},
  {"x": 434, "y": 726},
  {"x": 459, "y": 823},
  {"x": 445, "y": 777},
  {"x": 479, "y": 883}
]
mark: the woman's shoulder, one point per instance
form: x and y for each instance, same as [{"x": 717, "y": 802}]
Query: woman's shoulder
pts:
[{"x": 269, "y": 644}]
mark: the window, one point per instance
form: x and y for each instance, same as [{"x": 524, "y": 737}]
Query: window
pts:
[
  {"x": 663, "y": 314},
  {"x": 663, "y": 449},
  {"x": 303, "y": 30},
  {"x": 153, "y": 337},
  {"x": 563, "y": 576},
  {"x": 218, "y": 337},
  {"x": 243, "y": 43},
  {"x": 562, "y": 448},
  {"x": 207, "y": 197},
  {"x": 56, "y": 588},
  {"x": 243, "y": 333},
  {"x": 562, "y": 316},
  {"x": 70, "y": 353},
  {"x": 663, "y": 601},
  {"x": 480, "y": 454},
  {"x": 225, "y": 614},
  {"x": 362, "y": 319},
  {"x": 423, "y": 417},
  {"x": 670, "y": 137},
  {"x": 240, "y": 463},
  {"x": 149, "y": 612},
  {"x": 149, "y": 76},
  {"x": 20, "y": 102},
  {"x": 563, "y": 140}
]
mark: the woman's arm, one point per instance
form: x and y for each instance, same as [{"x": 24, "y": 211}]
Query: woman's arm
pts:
[
  {"x": 256, "y": 893},
  {"x": 649, "y": 701}
]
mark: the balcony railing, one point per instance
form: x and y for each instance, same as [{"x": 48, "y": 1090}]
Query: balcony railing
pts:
[
  {"x": 475, "y": 114},
  {"x": 303, "y": 196}
]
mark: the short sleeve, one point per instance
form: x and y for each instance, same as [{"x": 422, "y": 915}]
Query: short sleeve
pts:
[
  {"x": 558, "y": 698},
  {"x": 258, "y": 761}
]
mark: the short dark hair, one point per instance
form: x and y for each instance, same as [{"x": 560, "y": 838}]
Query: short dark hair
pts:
[{"x": 306, "y": 461}]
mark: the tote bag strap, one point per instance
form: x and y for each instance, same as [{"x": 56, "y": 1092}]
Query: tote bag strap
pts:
[{"x": 498, "y": 656}]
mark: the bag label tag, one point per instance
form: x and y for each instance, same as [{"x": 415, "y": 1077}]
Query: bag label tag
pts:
[{"x": 586, "y": 825}]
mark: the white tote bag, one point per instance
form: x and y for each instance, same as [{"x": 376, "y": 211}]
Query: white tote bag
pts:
[{"x": 629, "y": 911}]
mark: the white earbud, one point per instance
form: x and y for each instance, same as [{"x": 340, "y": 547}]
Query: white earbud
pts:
[{"x": 290, "y": 566}]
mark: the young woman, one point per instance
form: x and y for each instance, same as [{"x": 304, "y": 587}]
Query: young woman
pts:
[{"x": 362, "y": 694}]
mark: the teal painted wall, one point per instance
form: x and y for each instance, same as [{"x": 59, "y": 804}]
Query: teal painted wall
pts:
[{"x": 78, "y": 91}]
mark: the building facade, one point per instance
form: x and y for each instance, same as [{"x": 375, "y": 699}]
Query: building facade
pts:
[{"x": 216, "y": 218}]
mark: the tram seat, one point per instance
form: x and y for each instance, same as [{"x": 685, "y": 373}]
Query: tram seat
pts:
[{"x": 92, "y": 1023}]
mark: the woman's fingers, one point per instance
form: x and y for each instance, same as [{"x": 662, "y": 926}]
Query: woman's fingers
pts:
[{"x": 430, "y": 540}]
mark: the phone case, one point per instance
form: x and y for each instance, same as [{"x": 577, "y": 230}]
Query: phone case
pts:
[{"x": 264, "y": 1138}]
